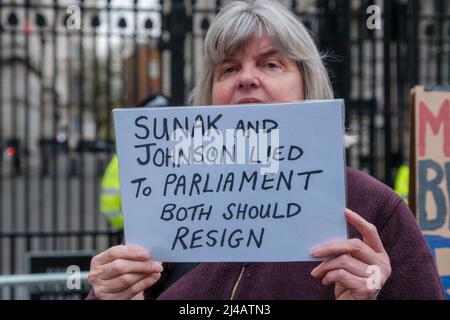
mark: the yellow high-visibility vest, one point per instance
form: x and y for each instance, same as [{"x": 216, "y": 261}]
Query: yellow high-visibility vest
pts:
[
  {"x": 110, "y": 201},
  {"x": 402, "y": 182}
]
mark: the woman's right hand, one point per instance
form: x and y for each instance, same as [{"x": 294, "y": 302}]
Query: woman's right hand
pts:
[{"x": 123, "y": 272}]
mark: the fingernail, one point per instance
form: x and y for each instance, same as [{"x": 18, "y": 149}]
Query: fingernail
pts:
[
  {"x": 315, "y": 252},
  {"x": 313, "y": 272},
  {"x": 159, "y": 267},
  {"x": 348, "y": 212}
]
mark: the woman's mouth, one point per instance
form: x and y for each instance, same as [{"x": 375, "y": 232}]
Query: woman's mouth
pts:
[{"x": 249, "y": 100}]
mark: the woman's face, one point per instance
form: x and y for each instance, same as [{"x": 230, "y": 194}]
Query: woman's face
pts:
[{"x": 257, "y": 74}]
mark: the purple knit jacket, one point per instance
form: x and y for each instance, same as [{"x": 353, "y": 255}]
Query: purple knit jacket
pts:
[{"x": 414, "y": 274}]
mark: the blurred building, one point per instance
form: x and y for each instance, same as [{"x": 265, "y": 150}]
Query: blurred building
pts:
[
  {"x": 143, "y": 74},
  {"x": 39, "y": 71}
]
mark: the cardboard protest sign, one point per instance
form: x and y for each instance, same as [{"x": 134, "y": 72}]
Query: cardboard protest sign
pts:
[
  {"x": 232, "y": 183},
  {"x": 430, "y": 173}
]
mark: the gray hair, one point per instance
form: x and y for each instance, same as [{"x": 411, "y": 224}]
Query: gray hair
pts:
[{"x": 241, "y": 21}]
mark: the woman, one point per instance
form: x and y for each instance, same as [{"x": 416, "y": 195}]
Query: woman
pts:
[{"x": 259, "y": 52}]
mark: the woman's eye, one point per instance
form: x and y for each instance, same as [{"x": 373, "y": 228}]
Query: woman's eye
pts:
[
  {"x": 229, "y": 70},
  {"x": 271, "y": 65}
]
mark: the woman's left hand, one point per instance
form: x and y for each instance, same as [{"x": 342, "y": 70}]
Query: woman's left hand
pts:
[{"x": 358, "y": 268}]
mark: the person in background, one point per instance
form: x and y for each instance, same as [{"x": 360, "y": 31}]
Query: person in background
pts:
[
  {"x": 110, "y": 201},
  {"x": 402, "y": 182},
  {"x": 258, "y": 51}
]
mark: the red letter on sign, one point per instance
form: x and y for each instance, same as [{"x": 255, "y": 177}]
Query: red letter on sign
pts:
[{"x": 426, "y": 116}]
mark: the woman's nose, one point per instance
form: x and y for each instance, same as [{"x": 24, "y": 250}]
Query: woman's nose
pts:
[{"x": 248, "y": 79}]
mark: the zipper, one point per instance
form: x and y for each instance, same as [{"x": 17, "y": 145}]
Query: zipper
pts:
[{"x": 236, "y": 284}]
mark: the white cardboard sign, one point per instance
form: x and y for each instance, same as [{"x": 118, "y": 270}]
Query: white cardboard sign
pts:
[{"x": 232, "y": 183}]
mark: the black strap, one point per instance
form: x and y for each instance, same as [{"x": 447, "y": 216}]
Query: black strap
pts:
[{"x": 178, "y": 270}]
